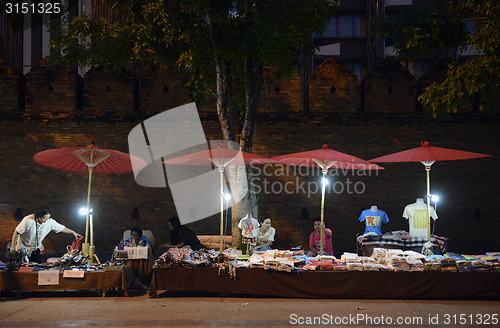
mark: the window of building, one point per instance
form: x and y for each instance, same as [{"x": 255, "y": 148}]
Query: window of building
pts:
[{"x": 346, "y": 26}]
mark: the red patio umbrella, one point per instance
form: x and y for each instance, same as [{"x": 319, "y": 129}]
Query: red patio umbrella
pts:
[
  {"x": 427, "y": 155},
  {"x": 326, "y": 158},
  {"x": 89, "y": 160},
  {"x": 221, "y": 157}
]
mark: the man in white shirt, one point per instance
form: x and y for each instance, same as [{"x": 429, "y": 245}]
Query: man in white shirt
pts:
[{"x": 30, "y": 232}]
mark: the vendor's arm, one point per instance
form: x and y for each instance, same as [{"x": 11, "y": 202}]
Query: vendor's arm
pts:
[
  {"x": 314, "y": 250},
  {"x": 311, "y": 243},
  {"x": 268, "y": 244},
  {"x": 15, "y": 239},
  {"x": 168, "y": 246},
  {"x": 146, "y": 241},
  {"x": 179, "y": 245},
  {"x": 325, "y": 231},
  {"x": 71, "y": 232}
]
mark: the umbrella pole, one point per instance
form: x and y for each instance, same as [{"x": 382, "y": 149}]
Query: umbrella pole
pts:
[
  {"x": 221, "y": 170},
  {"x": 428, "y": 170},
  {"x": 322, "y": 208},
  {"x": 85, "y": 246}
]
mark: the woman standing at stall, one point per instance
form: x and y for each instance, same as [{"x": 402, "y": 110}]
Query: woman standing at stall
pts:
[{"x": 265, "y": 235}]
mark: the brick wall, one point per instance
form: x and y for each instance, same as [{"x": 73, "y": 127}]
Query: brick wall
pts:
[
  {"x": 162, "y": 89},
  {"x": 389, "y": 87},
  {"x": 52, "y": 93},
  {"x": 291, "y": 196},
  {"x": 110, "y": 95},
  {"x": 11, "y": 90},
  {"x": 281, "y": 96},
  {"x": 333, "y": 87}
]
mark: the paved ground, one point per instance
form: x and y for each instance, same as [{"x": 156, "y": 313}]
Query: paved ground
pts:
[{"x": 79, "y": 309}]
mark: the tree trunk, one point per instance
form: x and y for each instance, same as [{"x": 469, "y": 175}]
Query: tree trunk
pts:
[
  {"x": 224, "y": 100},
  {"x": 249, "y": 202}
]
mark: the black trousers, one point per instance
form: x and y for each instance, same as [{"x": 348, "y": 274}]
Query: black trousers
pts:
[{"x": 36, "y": 256}]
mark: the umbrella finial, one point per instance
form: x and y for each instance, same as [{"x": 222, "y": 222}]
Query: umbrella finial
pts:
[
  {"x": 425, "y": 143},
  {"x": 326, "y": 146}
]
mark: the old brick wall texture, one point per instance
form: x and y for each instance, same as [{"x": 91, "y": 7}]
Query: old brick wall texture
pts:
[{"x": 53, "y": 107}]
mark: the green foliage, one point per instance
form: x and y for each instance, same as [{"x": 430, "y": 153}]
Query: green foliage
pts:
[
  {"x": 421, "y": 31},
  {"x": 418, "y": 31},
  {"x": 193, "y": 35}
]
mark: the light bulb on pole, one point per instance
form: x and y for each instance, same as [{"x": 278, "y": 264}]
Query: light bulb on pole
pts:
[{"x": 435, "y": 199}]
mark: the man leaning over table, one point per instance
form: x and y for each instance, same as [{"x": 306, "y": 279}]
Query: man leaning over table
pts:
[{"x": 29, "y": 234}]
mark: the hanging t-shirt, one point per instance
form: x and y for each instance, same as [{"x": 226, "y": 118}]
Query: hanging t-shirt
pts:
[
  {"x": 249, "y": 226},
  {"x": 373, "y": 220},
  {"x": 416, "y": 214}
]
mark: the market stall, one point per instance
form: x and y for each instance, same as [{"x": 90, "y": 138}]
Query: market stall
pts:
[
  {"x": 368, "y": 243},
  {"x": 389, "y": 274},
  {"x": 329, "y": 284},
  {"x": 19, "y": 281}
]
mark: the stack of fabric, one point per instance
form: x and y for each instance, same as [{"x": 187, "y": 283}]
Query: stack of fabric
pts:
[
  {"x": 379, "y": 253},
  {"x": 432, "y": 266},
  {"x": 416, "y": 265},
  {"x": 464, "y": 266},
  {"x": 339, "y": 266},
  {"x": 448, "y": 264},
  {"x": 354, "y": 264},
  {"x": 481, "y": 266},
  {"x": 399, "y": 263},
  {"x": 370, "y": 264}
]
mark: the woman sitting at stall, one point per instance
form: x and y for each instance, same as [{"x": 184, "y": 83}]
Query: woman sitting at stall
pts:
[
  {"x": 315, "y": 240},
  {"x": 181, "y": 236},
  {"x": 136, "y": 238},
  {"x": 265, "y": 235}
]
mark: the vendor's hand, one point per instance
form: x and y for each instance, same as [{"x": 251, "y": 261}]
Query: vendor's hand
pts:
[
  {"x": 77, "y": 235},
  {"x": 165, "y": 246}
]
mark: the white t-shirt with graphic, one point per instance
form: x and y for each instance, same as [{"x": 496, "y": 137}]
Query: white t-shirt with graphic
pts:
[
  {"x": 416, "y": 213},
  {"x": 263, "y": 238},
  {"x": 249, "y": 227}
]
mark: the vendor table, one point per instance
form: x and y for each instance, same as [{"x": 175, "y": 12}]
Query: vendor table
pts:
[
  {"x": 94, "y": 280},
  {"x": 140, "y": 268},
  {"x": 439, "y": 244},
  {"x": 330, "y": 284}
]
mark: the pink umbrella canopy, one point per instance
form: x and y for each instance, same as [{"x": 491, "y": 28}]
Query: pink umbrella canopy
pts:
[
  {"x": 221, "y": 157},
  {"x": 427, "y": 155},
  {"x": 326, "y": 158},
  {"x": 89, "y": 160},
  {"x": 79, "y": 159}
]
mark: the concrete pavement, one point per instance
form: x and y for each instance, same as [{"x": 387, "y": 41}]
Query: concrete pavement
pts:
[{"x": 78, "y": 309}]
